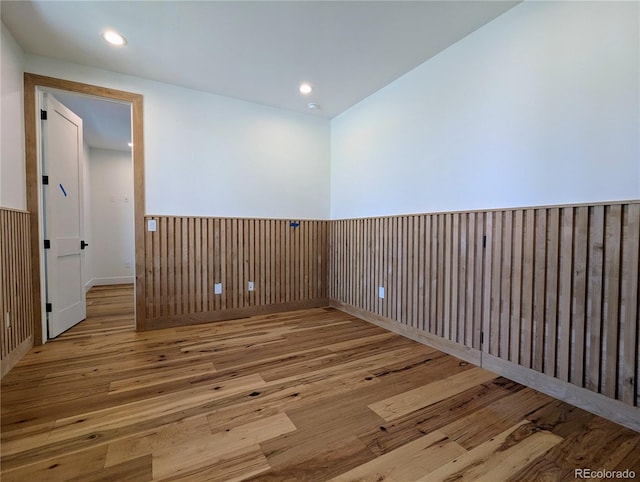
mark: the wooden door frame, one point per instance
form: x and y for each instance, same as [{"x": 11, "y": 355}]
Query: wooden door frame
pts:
[{"x": 31, "y": 83}]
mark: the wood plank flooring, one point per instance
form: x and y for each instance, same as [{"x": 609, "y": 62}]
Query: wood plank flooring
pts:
[{"x": 307, "y": 395}]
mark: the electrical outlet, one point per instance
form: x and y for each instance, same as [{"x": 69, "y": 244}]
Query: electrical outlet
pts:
[
  {"x": 8, "y": 319},
  {"x": 381, "y": 292},
  {"x": 251, "y": 287},
  {"x": 151, "y": 225},
  {"x": 217, "y": 289}
]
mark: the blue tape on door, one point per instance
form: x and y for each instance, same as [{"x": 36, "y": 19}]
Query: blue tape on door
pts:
[{"x": 62, "y": 189}]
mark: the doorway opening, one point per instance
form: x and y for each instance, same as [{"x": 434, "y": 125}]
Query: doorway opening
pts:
[
  {"x": 97, "y": 148},
  {"x": 33, "y": 85}
]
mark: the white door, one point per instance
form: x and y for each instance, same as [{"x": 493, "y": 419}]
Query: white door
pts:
[{"x": 62, "y": 198}]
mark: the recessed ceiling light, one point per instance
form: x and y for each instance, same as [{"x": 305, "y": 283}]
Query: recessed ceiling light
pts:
[
  {"x": 114, "y": 38},
  {"x": 305, "y": 88}
]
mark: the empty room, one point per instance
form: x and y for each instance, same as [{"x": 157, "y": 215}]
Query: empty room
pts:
[{"x": 320, "y": 240}]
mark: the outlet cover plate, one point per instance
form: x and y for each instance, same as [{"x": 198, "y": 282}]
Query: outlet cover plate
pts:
[{"x": 217, "y": 289}]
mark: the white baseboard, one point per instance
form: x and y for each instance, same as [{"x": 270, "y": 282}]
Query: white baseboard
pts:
[
  {"x": 88, "y": 285},
  {"x": 116, "y": 280}
]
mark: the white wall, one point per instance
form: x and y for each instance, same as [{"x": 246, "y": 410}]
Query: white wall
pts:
[
  {"x": 12, "y": 156},
  {"x": 208, "y": 155},
  {"x": 540, "y": 106},
  {"x": 87, "y": 264},
  {"x": 111, "y": 211}
]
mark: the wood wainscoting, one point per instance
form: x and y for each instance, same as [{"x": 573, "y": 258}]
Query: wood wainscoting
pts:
[
  {"x": 548, "y": 291},
  {"x": 16, "y": 332},
  {"x": 287, "y": 261}
]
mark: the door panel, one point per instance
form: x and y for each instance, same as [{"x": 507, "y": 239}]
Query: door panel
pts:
[{"x": 62, "y": 148}]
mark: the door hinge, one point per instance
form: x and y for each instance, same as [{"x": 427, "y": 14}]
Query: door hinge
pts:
[
  {"x": 45, "y": 180},
  {"x": 49, "y": 308},
  {"x": 47, "y": 244},
  {"x": 43, "y": 114},
  {"x": 484, "y": 241}
]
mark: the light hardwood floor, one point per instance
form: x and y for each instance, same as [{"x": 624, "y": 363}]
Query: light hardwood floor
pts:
[{"x": 307, "y": 395}]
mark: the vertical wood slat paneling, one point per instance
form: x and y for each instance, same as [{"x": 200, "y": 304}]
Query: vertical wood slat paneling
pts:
[
  {"x": 579, "y": 296},
  {"x": 186, "y": 256},
  {"x": 593, "y": 328},
  {"x": 539, "y": 289},
  {"x": 516, "y": 286},
  {"x": 629, "y": 301},
  {"x": 565, "y": 294},
  {"x": 611, "y": 301},
  {"x": 526, "y": 315},
  {"x": 555, "y": 289},
  {"x": 494, "y": 281},
  {"x": 487, "y": 267},
  {"x": 550, "y": 334},
  {"x": 477, "y": 282},
  {"x": 15, "y": 280},
  {"x": 505, "y": 284}
]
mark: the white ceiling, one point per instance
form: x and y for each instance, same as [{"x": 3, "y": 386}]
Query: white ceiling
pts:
[
  {"x": 106, "y": 124},
  {"x": 258, "y": 51}
]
